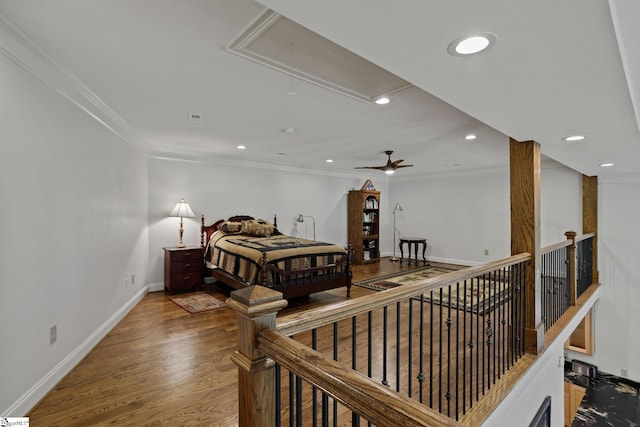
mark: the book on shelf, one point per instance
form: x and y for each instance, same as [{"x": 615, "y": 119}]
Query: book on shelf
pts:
[
  {"x": 369, "y": 216},
  {"x": 371, "y": 203}
]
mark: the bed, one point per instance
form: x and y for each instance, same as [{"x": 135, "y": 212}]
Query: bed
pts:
[{"x": 243, "y": 251}]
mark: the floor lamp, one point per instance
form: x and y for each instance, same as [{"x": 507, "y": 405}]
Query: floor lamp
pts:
[
  {"x": 301, "y": 219},
  {"x": 396, "y": 209}
]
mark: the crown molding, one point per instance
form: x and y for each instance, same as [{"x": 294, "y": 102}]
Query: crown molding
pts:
[{"x": 19, "y": 46}]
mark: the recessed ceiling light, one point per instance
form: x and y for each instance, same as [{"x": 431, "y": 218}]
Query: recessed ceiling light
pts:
[
  {"x": 472, "y": 43},
  {"x": 470, "y": 137},
  {"x": 606, "y": 165},
  {"x": 241, "y": 147},
  {"x": 329, "y": 160},
  {"x": 574, "y": 138},
  {"x": 289, "y": 131},
  {"x": 382, "y": 100}
]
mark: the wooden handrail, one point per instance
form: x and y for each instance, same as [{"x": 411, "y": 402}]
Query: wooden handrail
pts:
[
  {"x": 353, "y": 389},
  {"x": 585, "y": 236},
  {"x": 556, "y": 246},
  {"x": 309, "y": 319}
]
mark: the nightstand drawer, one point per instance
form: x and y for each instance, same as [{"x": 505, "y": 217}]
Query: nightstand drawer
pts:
[
  {"x": 186, "y": 280},
  {"x": 186, "y": 266},
  {"x": 186, "y": 255}
]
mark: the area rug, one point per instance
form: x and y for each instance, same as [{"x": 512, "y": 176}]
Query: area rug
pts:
[
  {"x": 477, "y": 296},
  {"x": 198, "y": 303}
]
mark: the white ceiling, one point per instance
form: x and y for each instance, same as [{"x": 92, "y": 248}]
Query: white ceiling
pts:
[{"x": 143, "y": 66}]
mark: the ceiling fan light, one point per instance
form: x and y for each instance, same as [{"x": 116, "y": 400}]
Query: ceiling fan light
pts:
[
  {"x": 574, "y": 138},
  {"x": 389, "y": 171}
]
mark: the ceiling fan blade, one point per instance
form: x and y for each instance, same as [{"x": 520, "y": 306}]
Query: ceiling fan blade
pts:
[
  {"x": 371, "y": 167},
  {"x": 390, "y": 167}
]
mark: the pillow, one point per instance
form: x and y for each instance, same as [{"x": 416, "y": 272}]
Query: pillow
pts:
[
  {"x": 230, "y": 226},
  {"x": 257, "y": 227}
]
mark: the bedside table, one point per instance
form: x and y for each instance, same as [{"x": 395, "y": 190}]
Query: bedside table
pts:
[{"x": 183, "y": 268}]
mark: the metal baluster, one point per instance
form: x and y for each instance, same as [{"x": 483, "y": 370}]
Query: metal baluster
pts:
[
  {"x": 431, "y": 349},
  {"x": 335, "y": 357},
  {"x": 457, "y": 354},
  {"x": 440, "y": 353},
  {"x": 369, "y": 347},
  {"x": 421, "y": 375},
  {"x": 298, "y": 401},
  {"x": 410, "y": 361},
  {"x": 384, "y": 346},
  {"x": 278, "y": 395},
  {"x": 314, "y": 391},
  {"x": 448, "y": 322},
  {"x": 464, "y": 358},
  {"x": 292, "y": 411},
  {"x": 398, "y": 346},
  {"x": 479, "y": 339},
  {"x": 355, "y": 418}
]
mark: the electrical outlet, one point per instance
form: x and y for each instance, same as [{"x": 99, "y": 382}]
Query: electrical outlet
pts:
[
  {"x": 624, "y": 373},
  {"x": 486, "y": 252},
  {"x": 53, "y": 334}
]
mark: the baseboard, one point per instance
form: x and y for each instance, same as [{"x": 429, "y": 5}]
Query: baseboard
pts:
[
  {"x": 31, "y": 398},
  {"x": 156, "y": 287}
]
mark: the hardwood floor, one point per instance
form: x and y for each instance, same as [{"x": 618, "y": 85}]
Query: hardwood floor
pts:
[{"x": 162, "y": 366}]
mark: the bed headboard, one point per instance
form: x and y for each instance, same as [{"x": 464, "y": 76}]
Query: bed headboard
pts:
[{"x": 207, "y": 230}]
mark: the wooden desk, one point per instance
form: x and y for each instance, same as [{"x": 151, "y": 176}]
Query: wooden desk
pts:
[{"x": 415, "y": 242}]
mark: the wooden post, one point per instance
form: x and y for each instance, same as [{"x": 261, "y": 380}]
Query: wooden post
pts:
[
  {"x": 573, "y": 276},
  {"x": 256, "y": 308},
  {"x": 590, "y": 217},
  {"x": 524, "y": 158}
]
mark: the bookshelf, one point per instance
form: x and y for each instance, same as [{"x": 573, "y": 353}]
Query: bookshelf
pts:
[{"x": 364, "y": 223}]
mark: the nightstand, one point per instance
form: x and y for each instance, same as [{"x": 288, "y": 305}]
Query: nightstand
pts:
[{"x": 183, "y": 268}]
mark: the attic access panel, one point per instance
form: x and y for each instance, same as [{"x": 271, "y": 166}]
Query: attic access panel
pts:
[{"x": 286, "y": 46}]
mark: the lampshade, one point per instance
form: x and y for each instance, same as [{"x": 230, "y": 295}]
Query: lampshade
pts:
[{"x": 182, "y": 210}]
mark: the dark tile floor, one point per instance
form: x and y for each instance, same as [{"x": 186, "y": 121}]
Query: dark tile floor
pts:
[{"x": 609, "y": 401}]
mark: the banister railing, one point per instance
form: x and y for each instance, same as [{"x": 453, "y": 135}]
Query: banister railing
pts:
[
  {"x": 555, "y": 280},
  {"x": 567, "y": 270},
  {"x": 354, "y": 390},
  {"x": 295, "y": 323},
  {"x": 439, "y": 344}
]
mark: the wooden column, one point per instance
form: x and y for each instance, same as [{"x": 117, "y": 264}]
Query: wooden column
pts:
[
  {"x": 525, "y": 232},
  {"x": 256, "y": 308},
  {"x": 590, "y": 217},
  {"x": 573, "y": 276}
]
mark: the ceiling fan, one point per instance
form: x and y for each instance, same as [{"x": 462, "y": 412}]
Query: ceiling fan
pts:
[{"x": 390, "y": 167}]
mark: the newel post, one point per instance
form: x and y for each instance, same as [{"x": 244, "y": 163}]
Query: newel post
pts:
[
  {"x": 573, "y": 277},
  {"x": 256, "y": 308}
]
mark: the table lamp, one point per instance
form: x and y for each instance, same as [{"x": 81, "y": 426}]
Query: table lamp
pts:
[{"x": 182, "y": 210}]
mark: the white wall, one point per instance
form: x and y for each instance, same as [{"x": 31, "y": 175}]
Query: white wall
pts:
[
  {"x": 73, "y": 224},
  {"x": 617, "y": 316},
  {"x": 462, "y": 215},
  {"x": 219, "y": 190},
  {"x": 560, "y": 202}
]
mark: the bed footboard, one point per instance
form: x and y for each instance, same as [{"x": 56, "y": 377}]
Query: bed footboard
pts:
[{"x": 299, "y": 283}]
